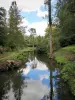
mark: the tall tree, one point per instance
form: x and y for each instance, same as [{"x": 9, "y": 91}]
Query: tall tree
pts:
[
  {"x": 48, "y": 2},
  {"x": 55, "y": 37},
  {"x": 33, "y": 32},
  {"x": 2, "y": 26},
  {"x": 66, "y": 16},
  {"x": 15, "y": 36}
]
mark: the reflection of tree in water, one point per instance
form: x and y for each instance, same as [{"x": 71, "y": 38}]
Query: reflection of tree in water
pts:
[
  {"x": 32, "y": 60},
  {"x": 4, "y": 85},
  {"x": 52, "y": 65},
  {"x": 63, "y": 91},
  {"x": 49, "y": 96},
  {"x": 14, "y": 81},
  {"x": 17, "y": 85},
  {"x": 46, "y": 97},
  {"x": 31, "y": 55}
]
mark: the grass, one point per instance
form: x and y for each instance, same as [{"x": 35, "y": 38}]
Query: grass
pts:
[
  {"x": 16, "y": 55},
  {"x": 70, "y": 48},
  {"x": 66, "y": 56}
]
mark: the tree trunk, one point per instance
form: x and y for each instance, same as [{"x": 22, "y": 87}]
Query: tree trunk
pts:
[
  {"x": 50, "y": 25},
  {"x": 51, "y": 43}
]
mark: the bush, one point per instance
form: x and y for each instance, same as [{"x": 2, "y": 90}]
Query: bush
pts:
[
  {"x": 68, "y": 74},
  {"x": 1, "y": 49}
]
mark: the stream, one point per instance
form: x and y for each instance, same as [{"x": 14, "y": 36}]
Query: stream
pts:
[{"x": 38, "y": 79}]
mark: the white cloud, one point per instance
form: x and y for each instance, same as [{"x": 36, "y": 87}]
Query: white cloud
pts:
[
  {"x": 35, "y": 90},
  {"x": 42, "y": 13},
  {"x": 24, "y": 22},
  {"x": 40, "y": 27},
  {"x": 24, "y": 5},
  {"x": 30, "y": 5}
]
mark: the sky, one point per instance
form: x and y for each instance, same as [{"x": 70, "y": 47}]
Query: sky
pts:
[{"x": 33, "y": 12}]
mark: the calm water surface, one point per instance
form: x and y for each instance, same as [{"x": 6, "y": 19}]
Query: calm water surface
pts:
[{"x": 37, "y": 80}]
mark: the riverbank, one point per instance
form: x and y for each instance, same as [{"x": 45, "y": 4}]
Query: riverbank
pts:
[
  {"x": 10, "y": 60},
  {"x": 66, "y": 57}
]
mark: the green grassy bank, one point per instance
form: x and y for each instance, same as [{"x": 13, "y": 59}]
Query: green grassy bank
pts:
[
  {"x": 16, "y": 55},
  {"x": 15, "y": 59},
  {"x": 66, "y": 57}
]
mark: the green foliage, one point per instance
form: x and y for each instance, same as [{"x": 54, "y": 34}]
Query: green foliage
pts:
[
  {"x": 32, "y": 31},
  {"x": 1, "y": 49},
  {"x": 55, "y": 37},
  {"x": 68, "y": 74},
  {"x": 15, "y": 36},
  {"x": 70, "y": 48},
  {"x": 68, "y": 69},
  {"x": 60, "y": 58},
  {"x": 66, "y": 16},
  {"x": 42, "y": 45},
  {"x": 16, "y": 55},
  {"x": 71, "y": 6},
  {"x": 32, "y": 36},
  {"x": 66, "y": 56},
  {"x": 2, "y": 26},
  {"x": 22, "y": 56}
]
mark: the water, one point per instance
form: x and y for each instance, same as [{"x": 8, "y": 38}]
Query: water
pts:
[{"x": 37, "y": 80}]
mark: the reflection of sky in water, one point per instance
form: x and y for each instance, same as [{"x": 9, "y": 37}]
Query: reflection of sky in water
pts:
[
  {"x": 35, "y": 90},
  {"x": 35, "y": 74},
  {"x": 38, "y": 80},
  {"x": 31, "y": 84},
  {"x": 41, "y": 72}
]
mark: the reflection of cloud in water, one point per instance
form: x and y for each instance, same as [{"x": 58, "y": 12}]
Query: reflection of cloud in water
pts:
[
  {"x": 39, "y": 65},
  {"x": 26, "y": 71},
  {"x": 41, "y": 72},
  {"x": 45, "y": 76},
  {"x": 35, "y": 90},
  {"x": 45, "y": 79},
  {"x": 40, "y": 68}
]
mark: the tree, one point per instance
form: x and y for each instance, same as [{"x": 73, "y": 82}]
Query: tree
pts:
[
  {"x": 2, "y": 26},
  {"x": 33, "y": 32},
  {"x": 66, "y": 16},
  {"x": 42, "y": 45},
  {"x": 55, "y": 36},
  {"x": 15, "y": 36},
  {"x": 48, "y": 2}
]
